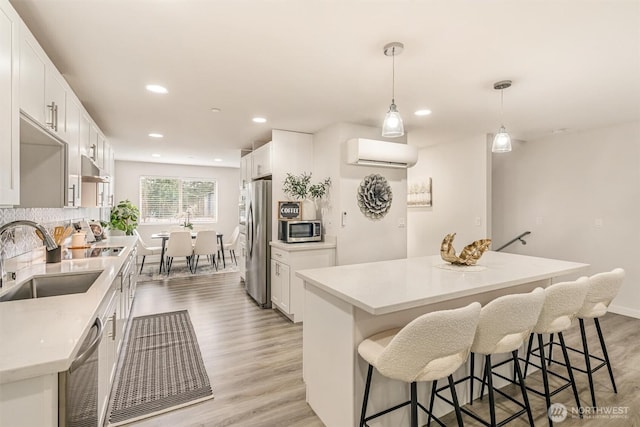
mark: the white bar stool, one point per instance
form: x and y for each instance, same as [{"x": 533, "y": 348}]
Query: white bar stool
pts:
[
  {"x": 561, "y": 304},
  {"x": 504, "y": 324},
  {"x": 602, "y": 289},
  {"x": 431, "y": 347}
]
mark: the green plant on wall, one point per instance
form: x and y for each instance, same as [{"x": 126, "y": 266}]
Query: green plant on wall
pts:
[
  {"x": 299, "y": 187},
  {"x": 124, "y": 216}
]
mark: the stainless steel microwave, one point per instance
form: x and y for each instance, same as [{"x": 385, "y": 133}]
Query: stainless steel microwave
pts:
[{"x": 300, "y": 231}]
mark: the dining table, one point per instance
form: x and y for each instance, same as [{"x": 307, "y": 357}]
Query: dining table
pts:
[{"x": 164, "y": 235}]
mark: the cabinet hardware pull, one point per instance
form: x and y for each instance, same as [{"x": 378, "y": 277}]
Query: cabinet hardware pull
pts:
[
  {"x": 73, "y": 195},
  {"x": 113, "y": 323},
  {"x": 84, "y": 356},
  {"x": 51, "y": 120},
  {"x": 55, "y": 117}
]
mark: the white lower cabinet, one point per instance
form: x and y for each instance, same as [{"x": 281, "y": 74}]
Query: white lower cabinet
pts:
[
  {"x": 30, "y": 403},
  {"x": 287, "y": 290},
  {"x": 280, "y": 286},
  {"x": 108, "y": 354}
]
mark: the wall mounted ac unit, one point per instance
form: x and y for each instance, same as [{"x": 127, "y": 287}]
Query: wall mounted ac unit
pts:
[{"x": 370, "y": 152}]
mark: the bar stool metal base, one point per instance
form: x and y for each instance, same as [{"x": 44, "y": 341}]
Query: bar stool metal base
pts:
[
  {"x": 588, "y": 357},
  {"x": 544, "y": 362},
  {"x": 487, "y": 379},
  {"x": 413, "y": 403}
]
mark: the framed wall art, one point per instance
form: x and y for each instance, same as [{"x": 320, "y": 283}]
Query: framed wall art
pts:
[{"x": 419, "y": 194}]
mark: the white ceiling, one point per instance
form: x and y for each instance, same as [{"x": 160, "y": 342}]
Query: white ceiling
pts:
[{"x": 304, "y": 65}]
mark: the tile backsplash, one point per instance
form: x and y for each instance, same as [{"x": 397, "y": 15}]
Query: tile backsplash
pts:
[{"x": 24, "y": 239}]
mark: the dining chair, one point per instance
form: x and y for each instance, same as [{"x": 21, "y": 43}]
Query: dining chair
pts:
[
  {"x": 144, "y": 249},
  {"x": 232, "y": 244},
  {"x": 179, "y": 244},
  {"x": 206, "y": 244}
]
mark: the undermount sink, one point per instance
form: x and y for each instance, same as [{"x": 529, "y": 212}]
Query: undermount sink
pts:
[{"x": 51, "y": 285}]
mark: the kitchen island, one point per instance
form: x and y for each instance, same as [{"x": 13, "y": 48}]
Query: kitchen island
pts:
[{"x": 346, "y": 304}]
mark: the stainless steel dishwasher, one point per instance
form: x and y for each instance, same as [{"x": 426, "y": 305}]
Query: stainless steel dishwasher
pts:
[{"x": 78, "y": 386}]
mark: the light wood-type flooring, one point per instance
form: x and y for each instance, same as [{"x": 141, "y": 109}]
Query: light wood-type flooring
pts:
[{"x": 254, "y": 361}]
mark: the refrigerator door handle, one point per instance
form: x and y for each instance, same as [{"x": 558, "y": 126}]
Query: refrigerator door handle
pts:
[{"x": 250, "y": 231}]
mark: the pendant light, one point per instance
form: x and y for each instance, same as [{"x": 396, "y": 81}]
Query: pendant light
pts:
[
  {"x": 392, "y": 126},
  {"x": 502, "y": 140}
]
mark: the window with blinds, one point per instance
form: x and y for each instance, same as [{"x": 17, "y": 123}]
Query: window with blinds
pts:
[{"x": 168, "y": 199}]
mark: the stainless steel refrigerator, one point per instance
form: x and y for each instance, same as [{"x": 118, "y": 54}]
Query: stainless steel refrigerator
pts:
[{"x": 258, "y": 232}]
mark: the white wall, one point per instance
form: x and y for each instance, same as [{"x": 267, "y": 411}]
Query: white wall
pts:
[
  {"x": 361, "y": 239},
  {"x": 460, "y": 179},
  {"x": 127, "y": 179},
  {"x": 579, "y": 195}
]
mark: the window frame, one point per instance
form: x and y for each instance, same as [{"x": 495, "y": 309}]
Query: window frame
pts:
[{"x": 180, "y": 217}]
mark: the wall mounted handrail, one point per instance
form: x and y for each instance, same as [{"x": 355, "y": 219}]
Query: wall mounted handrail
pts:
[{"x": 514, "y": 240}]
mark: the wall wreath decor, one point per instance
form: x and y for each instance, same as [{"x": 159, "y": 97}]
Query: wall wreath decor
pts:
[{"x": 374, "y": 196}]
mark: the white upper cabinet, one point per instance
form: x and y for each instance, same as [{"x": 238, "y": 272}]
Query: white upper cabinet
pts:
[
  {"x": 44, "y": 129},
  {"x": 9, "y": 105},
  {"x": 42, "y": 92},
  {"x": 261, "y": 161},
  {"x": 32, "y": 71},
  {"x": 100, "y": 154},
  {"x": 73, "y": 155},
  {"x": 55, "y": 97},
  {"x": 93, "y": 143},
  {"x": 85, "y": 138},
  {"x": 245, "y": 170}
]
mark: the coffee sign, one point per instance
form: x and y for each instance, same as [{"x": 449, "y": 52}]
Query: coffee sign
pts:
[{"x": 289, "y": 210}]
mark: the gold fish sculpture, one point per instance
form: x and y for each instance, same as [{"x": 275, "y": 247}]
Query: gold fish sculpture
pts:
[{"x": 469, "y": 255}]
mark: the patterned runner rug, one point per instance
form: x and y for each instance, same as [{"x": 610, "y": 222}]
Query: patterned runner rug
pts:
[
  {"x": 180, "y": 269},
  {"x": 162, "y": 369}
]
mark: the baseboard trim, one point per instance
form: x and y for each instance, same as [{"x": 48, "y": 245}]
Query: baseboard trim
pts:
[{"x": 625, "y": 311}]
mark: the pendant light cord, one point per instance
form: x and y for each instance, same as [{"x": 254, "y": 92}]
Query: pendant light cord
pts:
[
  {"x": 393, "y": 75},
  {"x": 502, "y": 107}
]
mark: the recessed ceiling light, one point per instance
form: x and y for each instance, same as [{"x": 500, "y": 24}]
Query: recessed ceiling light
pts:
[
  {"x": 259, "y": 120},
  {"x": 157, "y": 89},
  {"x": 217, "y": 159},
  {"x": 156, "y": 135},
  {"x": 155, "y": 155},
  {"x": 215, "y": 110},
  {"x": 422, "y": 112},
  {"x": 561, "y": 130}
]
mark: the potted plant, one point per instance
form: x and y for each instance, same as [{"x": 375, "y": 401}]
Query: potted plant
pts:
[
  {"x": 124, "y": 217},
  {"x": 299, "y": 187},
  {"x": 187, "y": 220}
]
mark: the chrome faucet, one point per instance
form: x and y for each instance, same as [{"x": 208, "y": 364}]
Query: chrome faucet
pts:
[{"x": 48, "y": 240}]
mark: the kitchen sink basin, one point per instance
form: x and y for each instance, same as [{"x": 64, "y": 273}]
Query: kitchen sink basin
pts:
[{"x": 51, "y": 285}]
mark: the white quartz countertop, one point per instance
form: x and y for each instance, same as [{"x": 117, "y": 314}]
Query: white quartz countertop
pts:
[
  {"x": 307, "y": 246},
  {"x": 389, "y": 286},
  {"x": 42, "y": 336}
]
